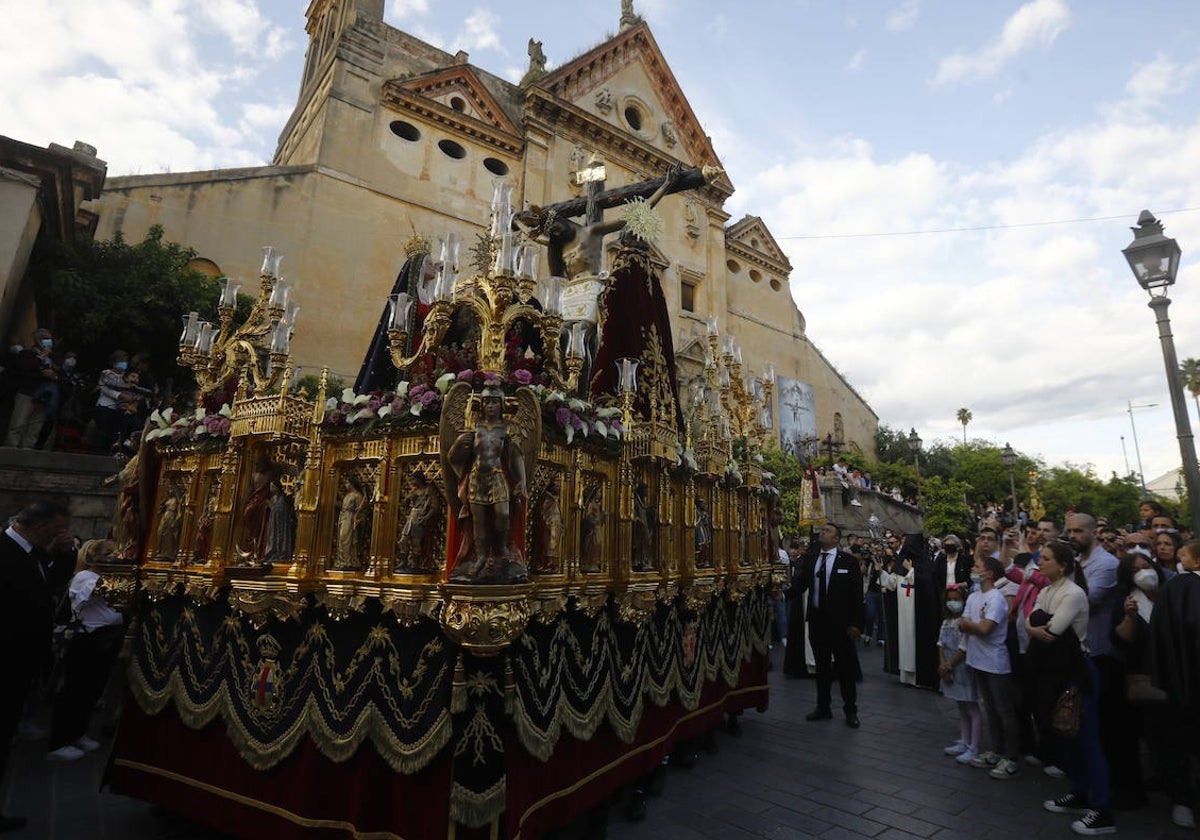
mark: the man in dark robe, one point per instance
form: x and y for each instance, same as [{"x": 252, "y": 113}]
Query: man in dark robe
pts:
[
  {"x": 928, "y": 608},
  {"x": 891, "y": 647}
]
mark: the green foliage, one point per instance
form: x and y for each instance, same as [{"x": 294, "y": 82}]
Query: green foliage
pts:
[
  {"x": 946, "y": 510},
  {"x": 310, "y": 383},
  {"x": 789, "y": 478},
  {"x": 100, "y": 296},
  {"x": 1117, "y": 499},
  {"x": 979, "y": 466}
]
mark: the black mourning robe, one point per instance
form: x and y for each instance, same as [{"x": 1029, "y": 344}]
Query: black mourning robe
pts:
[{"x": 1175, "y": 640}]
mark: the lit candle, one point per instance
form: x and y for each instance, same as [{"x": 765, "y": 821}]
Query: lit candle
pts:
[
  {"x": 627, "y": 375},
  {"x": 268, "y": 255},
  {"x": 399, "y": 305},
  {"x": 575, "y": 346},
  {"x": 229, "y": 292}
]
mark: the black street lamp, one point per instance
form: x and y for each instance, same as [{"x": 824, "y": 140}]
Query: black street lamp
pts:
[
  {"x": 1008, "y": 457},
  {"x": 1154, "y": 260},
  {"x": 914, "y": 443}
]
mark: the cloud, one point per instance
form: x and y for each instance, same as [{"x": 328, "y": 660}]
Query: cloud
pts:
[
  {"x": 246, "y": 27},
  {"x": 398, "y": 10},
  {"x": 480, "y": 32},
  {"x": 904, "y": 16},
  {"x": 856, "y": 60},
  {"x": 1150, "y": 87},
  {"x": 1037, "y": 23}
]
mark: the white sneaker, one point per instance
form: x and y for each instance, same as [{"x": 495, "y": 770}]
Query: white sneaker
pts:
[
  {"x": 1183, "y": 817},
  {"x": 967, "y": 757},
  {"x": 1054, "y": 772},
  {"x": 87, "y": 744},
  {"x": 988, "y": 759},
  {"x": 855, "y": 503},
  {"x": 957, "y": 748},
  {"x": 67, "y": 753},
  {"x": 1033, "y": 761}
]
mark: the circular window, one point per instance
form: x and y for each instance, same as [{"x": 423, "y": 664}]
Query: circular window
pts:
[
  {"x": 733, "y": 266},
  {"x": 451, "y": 149},
  {"x": 775, "y": 284},
  {"x": 755, "y": 275},
  {"x": 495, "y": 166},
  {"x": 405, "y": 130},
  {"x": 457, "y": 103},
  {"x": 634, "y": 117}
]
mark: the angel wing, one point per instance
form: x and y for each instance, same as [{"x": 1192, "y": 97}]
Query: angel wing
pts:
[
  {"x": 525, "y": 430},
  {"x": 453, "y": 421}
]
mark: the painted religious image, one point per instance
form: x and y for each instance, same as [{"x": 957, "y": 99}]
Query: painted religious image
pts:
[{"x": 797, "y": 418}]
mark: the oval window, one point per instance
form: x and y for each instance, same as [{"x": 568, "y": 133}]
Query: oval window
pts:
[
  {"x": 457, "y": 103},
  {"x": 405, "y": 130},
  {"x": 733, "y": 266},
  {"x": 755, "y": 275},
  {"x": 495, "y": 166},
  {"x": 451, "y": 149},
  {"x": 634, "y": 117},
  {"x": 775, "y": 284}
]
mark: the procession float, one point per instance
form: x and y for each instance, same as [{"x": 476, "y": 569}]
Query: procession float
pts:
[{"x": 504, "y": 575}]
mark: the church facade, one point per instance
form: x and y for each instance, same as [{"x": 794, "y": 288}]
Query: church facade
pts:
[{"x": 392, "y": 137}]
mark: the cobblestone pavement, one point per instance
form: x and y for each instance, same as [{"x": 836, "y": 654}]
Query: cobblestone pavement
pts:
[{"x": 781, "y": 778}]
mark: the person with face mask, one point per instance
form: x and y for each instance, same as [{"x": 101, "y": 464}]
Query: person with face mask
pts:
[
  {"x": 112, "y": 401},
  {"x": 36, "y": 388}
]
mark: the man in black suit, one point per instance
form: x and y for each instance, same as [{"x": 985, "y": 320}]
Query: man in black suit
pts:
[
  {"x": 26, "y": 613},
  {"x": 832, "y": 583}
]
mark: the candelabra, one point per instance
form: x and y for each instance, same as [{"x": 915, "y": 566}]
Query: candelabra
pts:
[
  {"x": 736, "y": 411},
  {"x": 258, "y": 349},
  {"x": 497, "y": 299}
]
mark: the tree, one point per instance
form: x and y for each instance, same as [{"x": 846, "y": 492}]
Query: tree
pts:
[
  {"x": 946, "y": 512},
  {"x": 109, "y": 295},
  {"x": 1189, "y": 369},
  {"x": 1071, "y": 485},
  {"x": 789, "y": 478},
  {"x": 964, "y": 417}
]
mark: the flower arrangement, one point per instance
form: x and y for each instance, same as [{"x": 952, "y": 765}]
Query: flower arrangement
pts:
[
  {"x": 408, "y": 403},
  {"x": 171, "y": 427},
  {"x": 571, "y": 417}
]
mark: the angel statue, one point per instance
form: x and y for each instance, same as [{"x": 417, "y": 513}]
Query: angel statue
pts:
[{"x": 490, "y": 460}]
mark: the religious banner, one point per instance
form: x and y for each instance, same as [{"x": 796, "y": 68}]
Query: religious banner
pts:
[{"x": 797, "y": 418}]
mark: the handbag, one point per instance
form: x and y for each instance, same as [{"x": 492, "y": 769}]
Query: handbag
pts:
[{"x": 1067, "y": 710}]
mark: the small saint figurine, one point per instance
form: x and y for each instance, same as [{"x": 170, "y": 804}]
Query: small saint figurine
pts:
[
  {"x": 549, "y": 528},
  {"x": 281, "y": 526},
  {"x": 703, "y": 535},
  {"x": 170, "y": 518},
  {"x": 644, "y": 519},
  {"x": 252, "y": 535},
  {"x": 591, "y": 531},
  {"x": 351, "y": 519},
  {"x": 418, "y": 535}
]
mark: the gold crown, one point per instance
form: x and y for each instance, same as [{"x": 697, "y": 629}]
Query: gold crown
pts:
[{"x": 417, "y": 244}]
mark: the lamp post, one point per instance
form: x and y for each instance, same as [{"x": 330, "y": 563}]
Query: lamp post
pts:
[
  {"x": 1008, "y": 457},
  {"x": 1154, "y": 260},
  {"x": 914, "y": 443},
  {"x": 1137, "y": 450}
]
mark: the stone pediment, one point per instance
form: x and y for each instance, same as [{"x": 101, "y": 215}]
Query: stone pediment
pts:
[
  {"x": 456, "y": 98},
  {"x": 750, "y": 237},
  {"x": 627, "y": 70}
]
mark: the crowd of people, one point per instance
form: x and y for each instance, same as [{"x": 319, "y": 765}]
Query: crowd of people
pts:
[
  {"x": 60, "y": 635},
  {"x": 1069, "y": 648},
  {"x": 50, "y": 399}
]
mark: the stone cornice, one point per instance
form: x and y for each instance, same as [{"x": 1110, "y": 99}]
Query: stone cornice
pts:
[
  {"x": 588, "y": 71},
  {"x": 413, "y": 96},
  {"x": 557, "y": 116},
  {"x": 740, "y": 249}
]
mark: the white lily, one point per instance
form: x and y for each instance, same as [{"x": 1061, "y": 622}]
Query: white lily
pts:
[
  {"x": 385, "y": 410},
  {"x": 362, "y": 399},
  {"x": 444, "y": 382},
  {"x": 601, "y": 429},
  {"x": 226, "y": 411},
  {"x": 331, "y": 404},
  {"x": 402, "y": 389},
  {"x": 347, "y": 395}
]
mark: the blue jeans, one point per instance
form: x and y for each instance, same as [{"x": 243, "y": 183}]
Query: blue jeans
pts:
[
  {"x": 781, "y": 617},
  {"x": 1086, "y": 763}
]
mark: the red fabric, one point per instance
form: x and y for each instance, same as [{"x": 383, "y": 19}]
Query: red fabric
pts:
[
  {"x": 200, "y": 775},
  {"x": 544, "y": 796},
  {"x": 362, "y": 794}
]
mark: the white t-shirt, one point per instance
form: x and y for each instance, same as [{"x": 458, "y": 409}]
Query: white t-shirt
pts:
[{"x": 988, "y": 653}]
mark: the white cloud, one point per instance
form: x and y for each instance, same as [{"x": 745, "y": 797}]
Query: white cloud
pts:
[
  {"x": 246, "y": 27},
  {"x": 1150, "y": 88},
  {"x": 903, "y": 16},
  {"x": 856, "y": 60},
  {"x": 480, "y": 32},
  {"x": 1037, "y": 23},
  {"x": 398, "y": 10}
]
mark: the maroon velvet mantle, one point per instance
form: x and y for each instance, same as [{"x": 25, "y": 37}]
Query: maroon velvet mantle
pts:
[{"x": 199, "y": 774}]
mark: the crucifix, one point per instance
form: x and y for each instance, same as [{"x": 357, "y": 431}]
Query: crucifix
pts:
[{"x": 574, "y": 248}]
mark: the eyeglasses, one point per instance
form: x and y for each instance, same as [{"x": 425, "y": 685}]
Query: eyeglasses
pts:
[{"x": 1108, "y": 539}]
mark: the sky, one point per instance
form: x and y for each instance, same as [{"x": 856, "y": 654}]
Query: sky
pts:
[{"x": 953, "y": 182}]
